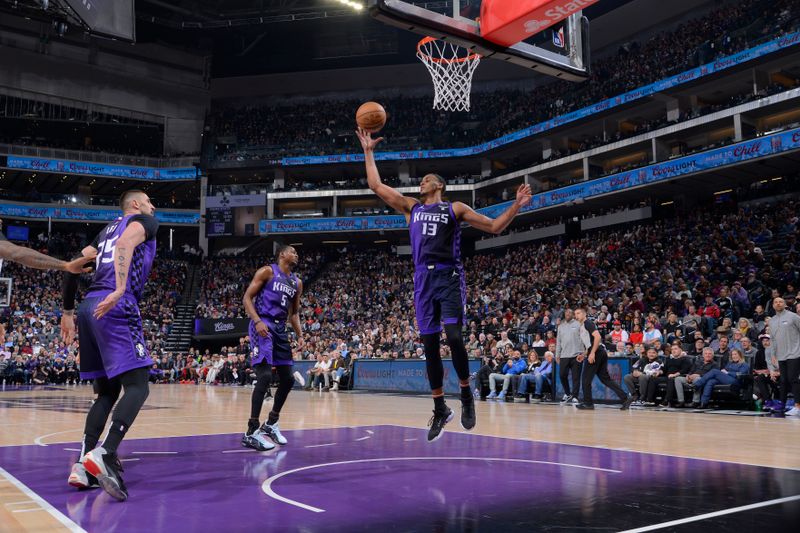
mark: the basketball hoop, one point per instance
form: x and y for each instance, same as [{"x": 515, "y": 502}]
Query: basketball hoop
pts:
[{"x": 451, "y": 67}]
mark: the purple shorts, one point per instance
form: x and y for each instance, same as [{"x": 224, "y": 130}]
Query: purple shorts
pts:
[
  {"x": 114, "y": 344},
  {"x": 440, "y": 295},
  {"x": 273, "y": 350}
]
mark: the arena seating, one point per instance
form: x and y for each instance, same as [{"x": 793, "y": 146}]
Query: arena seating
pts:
[{"x": 266, "y": 131}]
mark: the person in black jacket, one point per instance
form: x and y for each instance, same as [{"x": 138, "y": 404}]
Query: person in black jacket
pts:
[
  {"x": 677, "y": 364},
  {"x": 641, "y": 372}
]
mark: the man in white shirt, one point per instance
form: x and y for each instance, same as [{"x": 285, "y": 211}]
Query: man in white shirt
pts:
[
  {"x": 651, "y": 334},
  {"x": 321, "y": 370}
]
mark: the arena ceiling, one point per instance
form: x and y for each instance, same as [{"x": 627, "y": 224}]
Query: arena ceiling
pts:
[{"x": 247, "y": 37}]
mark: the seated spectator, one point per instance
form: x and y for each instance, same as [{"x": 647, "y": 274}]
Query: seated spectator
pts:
[
  {"x": 651, "y": 334},
  {"x": 766, "y": 375},
  {"x": 733, "y": 373},
  {"x": 617, "y": 334},
  {"x": 636, "y": 335},
  {"x": 642, "y": 372},
  {"x": 699, "y": 369},
  {"x": 677, "y": 365},
  {"x": 542, "y": 374},
  {"x": 320, "y": 372},
  {"x": 491, "y": 363},
  {"x": 513, "y": 366},
  {"x": 524, "y": 378}
]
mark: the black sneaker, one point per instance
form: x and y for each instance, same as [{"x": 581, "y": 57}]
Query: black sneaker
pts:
[
  {"x": 584, "y": 406},
  {"x": 468, "y": 414},
  {"x": 626, "y": 404},
  {"x": 106, "y": 468},
  {"x": 437, "y": 423}
]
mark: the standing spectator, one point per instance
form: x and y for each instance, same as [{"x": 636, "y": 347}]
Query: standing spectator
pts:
[
  {"x": 568, "y": 348},
  {"x": 784, "y": 329}
]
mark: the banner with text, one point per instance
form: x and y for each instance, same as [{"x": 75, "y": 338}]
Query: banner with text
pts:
[
  {"x": 304, "y": 225},
  {"x": 402, "y": 375},
  {"x": 221, "y": 327},
  {"x": 99, "y": 169},
  {"x": 718, "y": 157},
  {"x": 708, "y": 69},
  {"x": 89, "y": 214}
]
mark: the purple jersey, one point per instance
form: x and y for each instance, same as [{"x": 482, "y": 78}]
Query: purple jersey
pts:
[
  {"x": 141, "y": 262},
  {"x": 276, "y": 296},
  {"x": 435, "y": 235}
]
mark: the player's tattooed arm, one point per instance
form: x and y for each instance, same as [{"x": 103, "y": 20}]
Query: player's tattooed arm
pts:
[
  {"x": 493, "y": 225},
  {"x": 133, "y": 236},
  {"x": 262, "y": 276},
  {"x": 33, "y": 259}
]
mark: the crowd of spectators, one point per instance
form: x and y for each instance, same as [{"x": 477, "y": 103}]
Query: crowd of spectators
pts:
[
  {"x": 34, "y": 350},
  {"x": 316, "y": 128},
  {"x": 705, "y": 279}
]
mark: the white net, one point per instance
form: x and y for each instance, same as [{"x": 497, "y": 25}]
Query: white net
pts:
[{"x": 451, "y": 67}]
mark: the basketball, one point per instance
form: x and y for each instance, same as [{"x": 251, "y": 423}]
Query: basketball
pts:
[{"x": 371, "y": 116}]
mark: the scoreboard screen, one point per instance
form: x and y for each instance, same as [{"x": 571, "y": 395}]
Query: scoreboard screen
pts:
[{"x": 219, "y": 222}]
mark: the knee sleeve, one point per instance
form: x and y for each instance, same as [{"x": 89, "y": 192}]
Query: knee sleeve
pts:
[{"x": 137, "y": 389}]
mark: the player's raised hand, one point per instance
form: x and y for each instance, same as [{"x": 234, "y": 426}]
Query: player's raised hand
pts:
[
  {"x": 523, "y": 195},
  {"x": 108, "y": 303},
  {"x": 367, "y": 142}
]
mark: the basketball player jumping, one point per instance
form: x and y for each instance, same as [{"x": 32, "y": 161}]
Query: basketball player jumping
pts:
[
  {"x": 272, "y": 297},
  {"x": 439, "y": 280},
  {"x": 112, "y": 345}
]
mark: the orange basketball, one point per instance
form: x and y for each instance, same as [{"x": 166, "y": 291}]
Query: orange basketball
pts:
[{"x": 371, "y": 116}]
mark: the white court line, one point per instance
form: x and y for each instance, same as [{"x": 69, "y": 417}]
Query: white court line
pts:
[
  {"x": 320, "y": 445},
  {"x": 19, "y": 503},
  {"x": 55, "y": 513},
  {"x": 237, "y": 451},
  {"x": 364, "y": 438},
  {"x": 706, "y": 516},
  {"x": 38, "y": 440},
  {"x": 369, "y": 431},
  {"x": 267, "y": 485},
  {"x": 617, "y": 449},
  {"x": 72, "y": 449},
  {"x": 28, "y": 510},
  {"x": 129, "y": 460},
  {"x": 408, "y": 440},
  {"x": 153, "y": 453}
]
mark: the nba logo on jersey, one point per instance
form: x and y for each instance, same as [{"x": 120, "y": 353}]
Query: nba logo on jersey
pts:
[{"x": 140, "y": 353}]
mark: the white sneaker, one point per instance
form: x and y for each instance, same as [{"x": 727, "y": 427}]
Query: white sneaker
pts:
[
  {"x": 257, "y": 441},
  {"x": 274, "y": 433},
  {"x": 298, "y": 377},
  {"x": 335, "y": 386},
  {"x": 794, "y": 411},
  {"x": 80, "y": 478}
]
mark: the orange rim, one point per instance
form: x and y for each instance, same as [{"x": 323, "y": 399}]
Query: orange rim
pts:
[{"x": 426, "y": 40}]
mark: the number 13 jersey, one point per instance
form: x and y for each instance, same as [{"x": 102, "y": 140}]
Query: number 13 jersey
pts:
[{"x": 435, "y": 235}]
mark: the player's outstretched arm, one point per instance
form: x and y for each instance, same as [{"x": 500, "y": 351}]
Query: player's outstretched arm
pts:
[
  {"x": 33, "y": 259},
  {"x": 262, "y": 276},
  {"x": 294, "y": 318},
  {"x": 392, "y": 197},
  {"x": 496, "y": 226}
]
